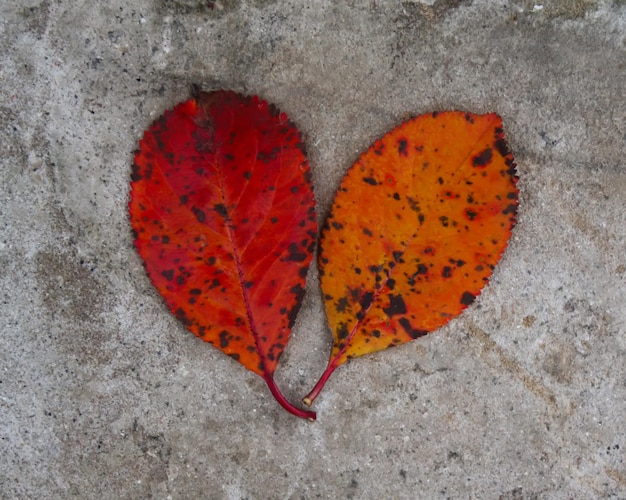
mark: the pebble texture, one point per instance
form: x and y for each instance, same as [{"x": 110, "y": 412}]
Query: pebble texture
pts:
[{"x": 104, "y": 394}]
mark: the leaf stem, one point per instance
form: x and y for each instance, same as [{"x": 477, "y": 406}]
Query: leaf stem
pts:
[
  {"x": 294, "y": 410},
  {"x": 310, "y": 397}
]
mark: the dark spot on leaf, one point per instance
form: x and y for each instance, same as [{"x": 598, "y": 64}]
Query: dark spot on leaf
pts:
[
  {"x": 295, "y": 254},
  {"x": 199, "y": 213},
  {"x": 444, "y": 221},
  {"x": 511, "y": 171},
  {"x": 510, "y": 209},
  {"x": 375, "y": 269},
  {"x": 342, "y": 331},
  {"x": 470, "y": 214},
  {"x": 342, "y": 304},
  {"x": 370, "y": 180},
  {"x": 225, "y": 338},
  {"x": 337, "y": 225},
  {"x": 168, "y": 275},
  {"x": 502, "y": 147},
  {"x": 391, "y": 283},
  {"x": 467, "y": 298},
  {"x": 293, "y": 312},
  {"x": 357, "y": 270},
  {"x": 221, "y": 210},
  {"x": 483, "y": 158},
  {"x": 413, "y": 333},
  {"x": 135, "y": 175},
  {"x": 397, "y": 256},
  {"x": 421, "y": 269},
  {"x": 376, "y": 333},
  {"x": 367, "y": 232},
  {"x": 234, "y": 355},
  {"x": 195, "y": 291},
  {"x": 181, "y": 315},
  {"x": 402, "y": 147},
  {"x": 366, "y": 300},
  {"x": 396, "y": 305},
  {"x": 396, "y": 196},
  {"x": 247, "y": 175},
  {"x": 298, "y": 291},
  {"x": 446, "y": 272}
]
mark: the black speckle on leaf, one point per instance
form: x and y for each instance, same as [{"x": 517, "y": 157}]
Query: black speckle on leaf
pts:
[
  {"x": 135, "y": 175},
  {"x": 470, "y": 214},
  {"x": 342, "y": 331},
  {"x": 483, "y": 158},
  {"x": 502, "y": 147},
  {"x": 412, "y": 332},
  {"x": 396, "y": 305},
  {"x": 220, "y": 208},
  {"x": 199, "y": 213},
  {"x": 467, "y": 298},
  {"x": 366, "y": 300},
  {"x": 403, "y": 147},
  {"x": 370, "y": 180},
  {"x": 342, "y": 305},
  {"x": 510, "y": 209},
  {"x": 295, "y": 254}
]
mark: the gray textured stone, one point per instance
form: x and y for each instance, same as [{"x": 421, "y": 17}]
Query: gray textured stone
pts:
[{"x": 103, "y": 394}]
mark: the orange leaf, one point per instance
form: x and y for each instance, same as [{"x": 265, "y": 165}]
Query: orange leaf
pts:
[
  {"x": 224, "y": 218},
  {"x": 416, "y": 228}
]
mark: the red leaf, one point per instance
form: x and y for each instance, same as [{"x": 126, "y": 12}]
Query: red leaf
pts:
[
  {"x": 224, "y": 217},
  {"x": 416, "y": 228}
]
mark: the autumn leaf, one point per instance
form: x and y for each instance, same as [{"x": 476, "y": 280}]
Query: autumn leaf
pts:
[
  {"x": 224, "y": 218},
  {"x": 416, "y": 228}
]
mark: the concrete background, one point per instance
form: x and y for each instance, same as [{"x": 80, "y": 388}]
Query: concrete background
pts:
[{"x": 103, "y": 394}]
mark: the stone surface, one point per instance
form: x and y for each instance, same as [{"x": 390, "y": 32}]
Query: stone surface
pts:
[{"x": 103, "y": 394}]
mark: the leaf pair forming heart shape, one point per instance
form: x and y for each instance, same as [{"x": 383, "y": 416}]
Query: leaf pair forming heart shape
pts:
[{"x": 224, "y": 218}]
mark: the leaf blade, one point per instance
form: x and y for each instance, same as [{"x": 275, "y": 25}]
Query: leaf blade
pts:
[
  {"x": 224, "y": 216},
  {"x": 418, "y": 223}
]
